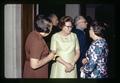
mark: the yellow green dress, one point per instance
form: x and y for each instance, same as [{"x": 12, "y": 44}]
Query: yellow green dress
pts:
[{"x": 65, "y": 48}]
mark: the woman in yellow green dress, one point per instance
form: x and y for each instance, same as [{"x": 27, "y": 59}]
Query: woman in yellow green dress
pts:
[{"x": 65, "y": 46}]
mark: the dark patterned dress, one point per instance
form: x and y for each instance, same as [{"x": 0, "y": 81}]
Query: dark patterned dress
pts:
[{"x": 97, "y": 59}]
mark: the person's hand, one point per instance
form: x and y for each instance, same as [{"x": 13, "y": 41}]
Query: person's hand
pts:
[
  {"x": 84, "y": 61},
  {"x": 69, "y": 67},
  {"x": 51, "y": 55}
]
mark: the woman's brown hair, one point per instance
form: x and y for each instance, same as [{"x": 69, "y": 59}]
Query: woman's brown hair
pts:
[
  {"x": 99, "y": 29},
  {"x": 65, "y": 19}
]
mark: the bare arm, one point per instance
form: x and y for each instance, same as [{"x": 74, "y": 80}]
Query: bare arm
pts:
[
  {"x": 77, "y": 51},
  {"x": 36, "y": 63},
  {"x": 68, "y": 66},
  {"x": 77, "y": 55},
  {"x": 60, "y": 60}
]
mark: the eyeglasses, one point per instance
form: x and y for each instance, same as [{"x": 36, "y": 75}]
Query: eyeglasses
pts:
[
  {"x": 83, "y": 22},
  {"x": 69, "y": 26}
]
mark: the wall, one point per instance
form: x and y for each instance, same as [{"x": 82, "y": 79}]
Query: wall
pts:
[
  {"x": 12, "y": 38},
  {"x": 72, "y": 10}
]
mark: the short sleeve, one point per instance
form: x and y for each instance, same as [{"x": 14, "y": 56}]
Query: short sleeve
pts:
[
  {"x": 76, "y": 42},
  {"x": 53, "y": 44},
  {"x": 36, "y": 48}
]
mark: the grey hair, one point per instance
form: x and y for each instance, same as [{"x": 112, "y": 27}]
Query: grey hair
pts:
[{"x": 77, "y": 18}]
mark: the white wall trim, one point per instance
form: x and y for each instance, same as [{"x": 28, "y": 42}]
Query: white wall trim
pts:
[
  {"x": 12, "y": 36},
  {"x": 72, "y": 10}
]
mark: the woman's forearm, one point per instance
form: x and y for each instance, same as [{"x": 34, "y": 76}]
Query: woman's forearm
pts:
[
  {"x": 46, "y": 59},
  {"x": 68, "y": 66},
  {"x": 35, "y": 63},
  {"x": 77, "y": 55},
  {"x": 60, "y": 60}
]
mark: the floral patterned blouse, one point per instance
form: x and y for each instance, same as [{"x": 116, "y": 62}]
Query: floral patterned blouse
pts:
[{"x": 97, "y": 59}]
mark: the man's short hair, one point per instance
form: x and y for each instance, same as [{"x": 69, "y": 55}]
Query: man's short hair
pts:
[{"x": 77, "y": 18}]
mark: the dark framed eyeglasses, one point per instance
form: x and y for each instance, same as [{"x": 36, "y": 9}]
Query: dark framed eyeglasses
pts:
[
  {"x": 83, "y": 22},
  {"x": 69, "y": 26}
]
